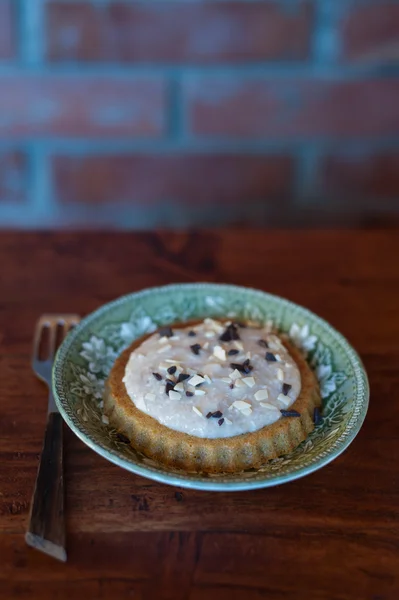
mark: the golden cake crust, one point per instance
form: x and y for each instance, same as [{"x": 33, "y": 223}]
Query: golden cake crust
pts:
[{"x": 232, "y": 454}]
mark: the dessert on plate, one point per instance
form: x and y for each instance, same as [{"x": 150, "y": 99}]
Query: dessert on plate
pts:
[{"x": 212, "y": 396}]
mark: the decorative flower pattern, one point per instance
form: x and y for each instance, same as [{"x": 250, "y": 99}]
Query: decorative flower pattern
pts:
[
  {"x": 99, "y": 356},
  {"x": 302, "y": 338},
  {"x": 92, "y": 386}
]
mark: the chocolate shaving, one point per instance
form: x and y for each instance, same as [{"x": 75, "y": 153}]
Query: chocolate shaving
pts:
[
  {"x": 231, "y": 386},
  {"x": 157, "y": 376},
  {"x": 182, "y": 377},
  {"x": 217, "y": 414},
  {"x": 220, "y": 422},
  {"x": 270, "y": 357},
  {"x": 169, "y": 386},
  {"x": 232, "y": 352},
  {"x": 263, "y": 343},
  {"x": 244, "y": 368},
  {"x": 122, "y": 438},
  {"x": 172, "y": 370},
  {"x": 192, "y": 333},
  {"x": 317, "y": 418},
  {"x": 230, "y": 333},
  {"x": 286, "y": 388},
  {"x": 189, "y": 394},
  {"x": 195, "y": 348},
  {"x": 165, "y": 332},
  {"x": 290, "y": 413}
]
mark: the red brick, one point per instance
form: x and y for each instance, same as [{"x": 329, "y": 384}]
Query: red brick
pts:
[
  {"x": 82, "y": 106},
  {"x": 370, "y": 31},
  {"x": 369, "y": 181},
  {"x": 7, "y": 43},
  {"x": 178, "y": 31},
  {"x": 180, "y": 179},
  {"x": 286, "y": 108},
  {"x": 13, "y": 176}
]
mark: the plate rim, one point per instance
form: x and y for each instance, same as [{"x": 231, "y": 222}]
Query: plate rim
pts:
[{"x": 180, "y": 480}]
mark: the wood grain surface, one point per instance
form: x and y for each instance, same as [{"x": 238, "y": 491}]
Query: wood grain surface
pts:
[{"x": 333, "y": 535}]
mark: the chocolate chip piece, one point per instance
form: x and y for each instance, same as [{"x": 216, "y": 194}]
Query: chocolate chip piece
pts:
[
  {"x": 220, "y": 422},
  {"x": 270, "y": 357},
  {"x": 217, "y": 414},
  {"x": 263, "y": 343},
  {"x": 232, "y": 352},
  {"x": 244, "y": 368},
  {"x": 290, "y": 413},
  {"x": 230, "y": 333},
  {"x": 182, "y": 377},
  {"x": 189, "y": 394},
  {"x": 286, "y": 388},
  {"x": 195, "y": 348},
  {"x": 122, "y": 438},
  {"x": 169, "y": 386},
  {"x": 208, "y": 416},
  {"x": 179, "y": 496},
  {"x": 157, "y": 376},
  {"x": 317, "y": 418},
  {"x": 192, "y": 333},
  {"x": 165, "y": 332},
  {"x": 232, "y": 386},
  {"x": 172, "y": 370}
]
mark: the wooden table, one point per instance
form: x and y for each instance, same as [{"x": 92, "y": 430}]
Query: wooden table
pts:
[{"x": 332, "y": 535}]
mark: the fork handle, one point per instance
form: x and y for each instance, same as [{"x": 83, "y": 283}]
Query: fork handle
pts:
[{"x": 46, "y": 529}]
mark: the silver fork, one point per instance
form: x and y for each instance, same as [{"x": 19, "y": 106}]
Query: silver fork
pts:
[{"x": 46, "y": 529}]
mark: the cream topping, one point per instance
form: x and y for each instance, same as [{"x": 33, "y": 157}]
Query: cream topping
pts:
[{"x": 243, "y": 382}]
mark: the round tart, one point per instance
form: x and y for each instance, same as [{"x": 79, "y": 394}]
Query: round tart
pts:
[{"x": 214, "y": 396}]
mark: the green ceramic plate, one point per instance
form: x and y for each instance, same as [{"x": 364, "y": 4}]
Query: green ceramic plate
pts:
[{"x": 87, "y": 355}]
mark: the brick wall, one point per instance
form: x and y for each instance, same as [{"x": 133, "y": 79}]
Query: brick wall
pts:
[{"x": 177, "y": 112}]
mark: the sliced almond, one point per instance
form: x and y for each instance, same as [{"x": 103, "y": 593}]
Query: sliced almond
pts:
[
  {"x": 207, "y": 378},
  {"x": 179, "y": 387},
  {"x": 248, "y": 355},
  {"x": 238, "y": 345},
  {"x": 215, "y": 325},
  {"x": 267, "y": 405},
  {"x": 172, "y": 361},
  {"x": 197, "y": 411},
  {"x": 284, "y": 400},
  {"x": 280, "y": 374},
  {"x": 239, "y": 383},
  {"x": 199, "y": 392},
  {"x": 209, "y": 334},
  {"x": 235, "y": 375},
  {"x": 163, "y": 366},
  {"x": 249, "y": 381},
  {"x": 261, "y": 395},
  {"x": 196, "y": 380},
  {"x": 219, "y": 352},
  {"x": 163, "y": 340},
  {"x": 227, "y": 421},
  {"x": 174, "y": 395},
  {"x": 104, "y": 419},
  {"x": 241, "y": 405},
  {"x": 226, "y": 379},
  {"x": 247, "y": 412},
  {"x": 205, "y": 346},
  {"x": 149, "y": 397}
]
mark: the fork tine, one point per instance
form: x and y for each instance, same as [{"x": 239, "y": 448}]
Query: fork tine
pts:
[{"x": 40, "y": 325}]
